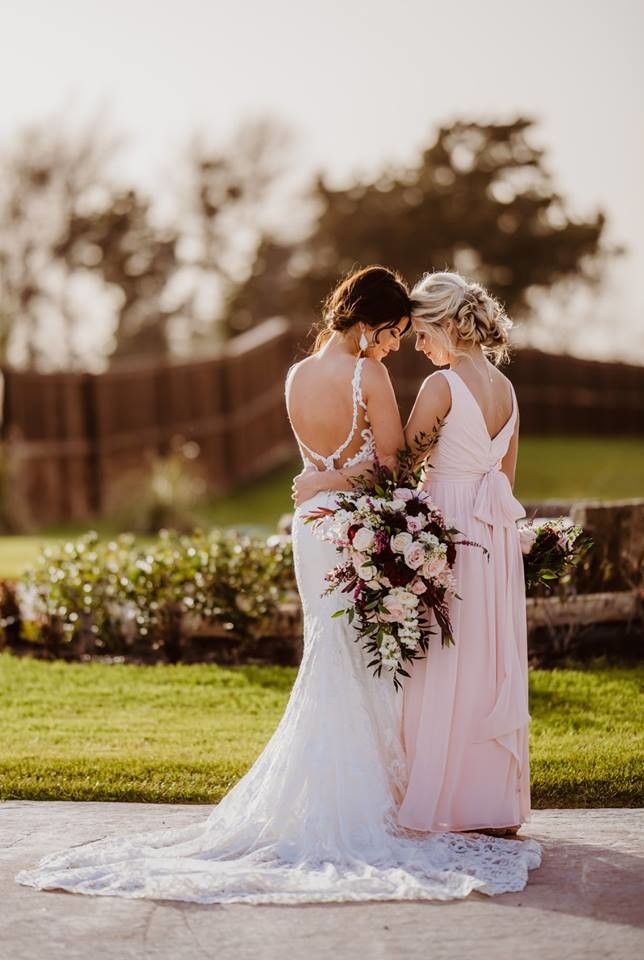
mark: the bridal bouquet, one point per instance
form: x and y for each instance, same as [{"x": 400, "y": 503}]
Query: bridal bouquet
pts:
[
  {"x": 551, "y": 548},
  {"x": 397, "y": 552}
]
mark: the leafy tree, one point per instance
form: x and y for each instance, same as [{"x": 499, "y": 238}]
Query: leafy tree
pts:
[
  {"x": 227, "y": 200},
  {"x": 480, "y": 199},
  {"x": 47, "y": 176},
  {"x": 135, "y": 258},
  {"x": 77, "y": 252},
  {"x": 80, "y": 254}
]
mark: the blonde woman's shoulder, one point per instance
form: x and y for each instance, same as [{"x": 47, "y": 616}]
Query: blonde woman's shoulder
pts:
[{"x": 436, "y": 384}]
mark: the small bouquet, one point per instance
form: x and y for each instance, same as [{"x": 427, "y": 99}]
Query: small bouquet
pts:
[
  {"x": 398, "y": 552},
  {"x": 551, "y": 548}
]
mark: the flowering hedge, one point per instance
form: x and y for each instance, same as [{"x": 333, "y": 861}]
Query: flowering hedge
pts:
[{"x": 115, "y": 596}]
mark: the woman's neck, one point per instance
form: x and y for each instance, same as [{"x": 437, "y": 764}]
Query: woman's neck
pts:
[
  {"x": 337, "y": 343},
  {"x": 474, "y": 355}
]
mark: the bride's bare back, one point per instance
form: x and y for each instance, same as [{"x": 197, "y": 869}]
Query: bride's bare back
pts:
[{"x": 342, "y": 409}]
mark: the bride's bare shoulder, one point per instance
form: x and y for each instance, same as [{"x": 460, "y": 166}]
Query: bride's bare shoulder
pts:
[
  {"x": 294, "y": 368},
  {"x": 375, "y": 378}
]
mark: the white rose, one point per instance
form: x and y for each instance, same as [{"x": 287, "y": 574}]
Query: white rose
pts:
[
  {"x": 367, "y": 572},
  {"x": 527, "y": 537},
  {"x": 364, "y": 539},
  {"x": 400, "y": 542},
  {"x": 414, "y": 556},
  {"x": 407, "y": 599}
]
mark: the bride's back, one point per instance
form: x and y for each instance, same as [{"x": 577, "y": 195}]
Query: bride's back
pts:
[
  {"x": 326, "y": 407},
  {"x": 326, "y": 393}
]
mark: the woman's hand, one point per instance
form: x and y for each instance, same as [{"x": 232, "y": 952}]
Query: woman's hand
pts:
[{"x": 309, "y": 482}]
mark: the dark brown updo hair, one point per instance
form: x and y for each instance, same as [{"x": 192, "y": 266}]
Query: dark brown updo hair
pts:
[{"x": 375, "y": 296}]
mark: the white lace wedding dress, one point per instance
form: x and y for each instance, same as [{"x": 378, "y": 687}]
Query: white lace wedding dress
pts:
[{"x": 314, "y": 819}]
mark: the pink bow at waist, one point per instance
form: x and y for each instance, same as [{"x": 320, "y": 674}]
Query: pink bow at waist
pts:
[{"x": 495, "y": 503}]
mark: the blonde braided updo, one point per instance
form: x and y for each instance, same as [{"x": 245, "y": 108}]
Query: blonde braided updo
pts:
[{"x": 455, "y": 311}]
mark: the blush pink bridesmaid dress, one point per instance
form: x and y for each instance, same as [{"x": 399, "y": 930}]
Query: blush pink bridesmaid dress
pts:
[{"x": 465, "y": 707}]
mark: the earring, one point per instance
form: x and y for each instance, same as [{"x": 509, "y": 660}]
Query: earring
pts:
[{"x": 363, "y": 343}]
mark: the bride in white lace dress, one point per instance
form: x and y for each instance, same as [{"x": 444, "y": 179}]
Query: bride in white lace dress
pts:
[{"x": 314, "y": 819}]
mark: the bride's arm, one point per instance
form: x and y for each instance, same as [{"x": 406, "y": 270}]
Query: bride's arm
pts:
[
  {"x": 432, "y": 404},
  {"x": 386, "y": 425}
]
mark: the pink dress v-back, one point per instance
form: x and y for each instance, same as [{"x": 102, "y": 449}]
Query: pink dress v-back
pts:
[{"x": 465, "y": 707}]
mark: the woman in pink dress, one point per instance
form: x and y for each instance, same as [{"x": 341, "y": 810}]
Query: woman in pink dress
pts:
[{"x": 465, "y": 707}]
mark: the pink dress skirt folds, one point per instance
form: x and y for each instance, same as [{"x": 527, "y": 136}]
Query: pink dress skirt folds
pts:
[{"x": 465, "y": 707}]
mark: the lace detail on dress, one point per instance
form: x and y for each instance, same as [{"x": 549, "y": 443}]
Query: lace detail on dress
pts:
[{"x": 368, "y": 448}]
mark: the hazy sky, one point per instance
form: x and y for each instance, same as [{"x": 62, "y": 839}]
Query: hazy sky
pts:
[{"x": 363, "y": 83}]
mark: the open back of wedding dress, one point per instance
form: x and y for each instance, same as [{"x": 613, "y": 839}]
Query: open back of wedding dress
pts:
[{"x": 314, "y": 819}]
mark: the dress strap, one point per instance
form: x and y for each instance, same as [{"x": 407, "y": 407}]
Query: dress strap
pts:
[{"x": 357, "y": 387}]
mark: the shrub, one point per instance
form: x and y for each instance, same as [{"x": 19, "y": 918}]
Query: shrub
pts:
[{"x": 122, "y": 596}]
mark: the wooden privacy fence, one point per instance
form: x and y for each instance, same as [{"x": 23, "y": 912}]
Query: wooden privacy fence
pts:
[
  {"x": 557, "y": 393},
  {"x": 71, "y": 436}
]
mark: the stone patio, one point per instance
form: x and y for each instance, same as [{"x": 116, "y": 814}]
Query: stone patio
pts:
[{"x": 585, "y": 901}]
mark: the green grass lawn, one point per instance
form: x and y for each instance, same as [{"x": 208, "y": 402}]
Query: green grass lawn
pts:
[
  {"x": 610, "y": 468},
  {"x": 607, "y": 468},
  {"x": 187, "y": 733}
]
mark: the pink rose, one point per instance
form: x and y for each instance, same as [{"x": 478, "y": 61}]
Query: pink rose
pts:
[
  {"x": 434, "y": 567},
  {"x": 416, "y": 524},
  {"x": 401, "y": 542},
  {"x": 395, "y": 611},
  {"x": 417, "y": 587},
  {"x": 414, "y": 556},
  {"x": 403, "y": 493}
]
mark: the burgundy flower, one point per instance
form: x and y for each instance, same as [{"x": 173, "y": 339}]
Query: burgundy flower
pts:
[
  {"x": 382, "y": 542},
  {"x": 398, "y": 574}
]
